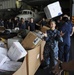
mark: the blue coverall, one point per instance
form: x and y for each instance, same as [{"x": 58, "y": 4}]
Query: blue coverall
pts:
[{"x": 64, "y": 50}]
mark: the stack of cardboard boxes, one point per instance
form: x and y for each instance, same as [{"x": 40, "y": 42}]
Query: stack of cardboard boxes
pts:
[
  {"x": 33, "y": 45},
  {"x": 31, "y": 48},
  {"x": 32, "y": 61}
]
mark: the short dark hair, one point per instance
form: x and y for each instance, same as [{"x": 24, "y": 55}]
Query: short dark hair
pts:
[{"x": 65, "y": 19}]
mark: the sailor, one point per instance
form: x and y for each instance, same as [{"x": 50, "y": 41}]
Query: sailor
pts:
[
  {"x": 51, "y": 46},
  {"x": 66, "y": 30}
]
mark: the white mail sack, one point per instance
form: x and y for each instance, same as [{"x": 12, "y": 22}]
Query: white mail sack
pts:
[
  {"x": 3, "y": 59},
  {"x": 11, "y": 40},
  {"x": 3, "y": 51},
  {"x": 11, "y": 66},
  {"x": 16, "y": 51}
]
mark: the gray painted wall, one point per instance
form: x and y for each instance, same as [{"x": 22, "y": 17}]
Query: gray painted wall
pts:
[
  {"x": 7, "y": 4},
  {"x": 73, "y": 9}
]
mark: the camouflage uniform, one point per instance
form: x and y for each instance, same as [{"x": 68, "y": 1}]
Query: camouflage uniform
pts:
[{"x": 51, "y": 47}]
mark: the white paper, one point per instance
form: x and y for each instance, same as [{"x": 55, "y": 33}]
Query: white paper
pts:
[
  {"x": 16, "y": 51},
  {"x": 3, "y": 51},
  {"x": 11, "y": 66},
  {"x": 3, "y": 59}
]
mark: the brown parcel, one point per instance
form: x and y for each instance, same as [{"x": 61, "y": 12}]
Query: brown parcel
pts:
[
  {"x": 31, "y": 41},
  {"x": 33, "y": 60},
  {"x": 2, "y": 29},
  {"x": 42, "y": 49},
  {"x": 22, "y": 70},
  {"x": 44, "y": 29}
]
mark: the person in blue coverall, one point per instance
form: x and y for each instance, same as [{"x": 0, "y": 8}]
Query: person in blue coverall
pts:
[
  {"x": 66, "y": 30},
  {"x": 52, "y": 37}
]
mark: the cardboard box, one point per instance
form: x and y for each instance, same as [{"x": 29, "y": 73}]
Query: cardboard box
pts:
[
  {"x": 23, "y": 69},
  {"x": 53, "y": 10},
  {"x": 16, "y": 51},
  {"x": 2, "y": 29},
  {"x": 33, "y": 60},
  {"x": 31, "y": 41},
  {"x": 42, "y": 48},
  {"x": 44, "y": 29},
  {"x": 11, "y": 40},
  {"x": 39, "y": 34}
]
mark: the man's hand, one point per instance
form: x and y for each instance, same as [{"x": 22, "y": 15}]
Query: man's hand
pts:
[
  {"x": 61, "y": 34},
  {"x": 56, "y": 68},
  {"x": 45, "y": 34}
]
